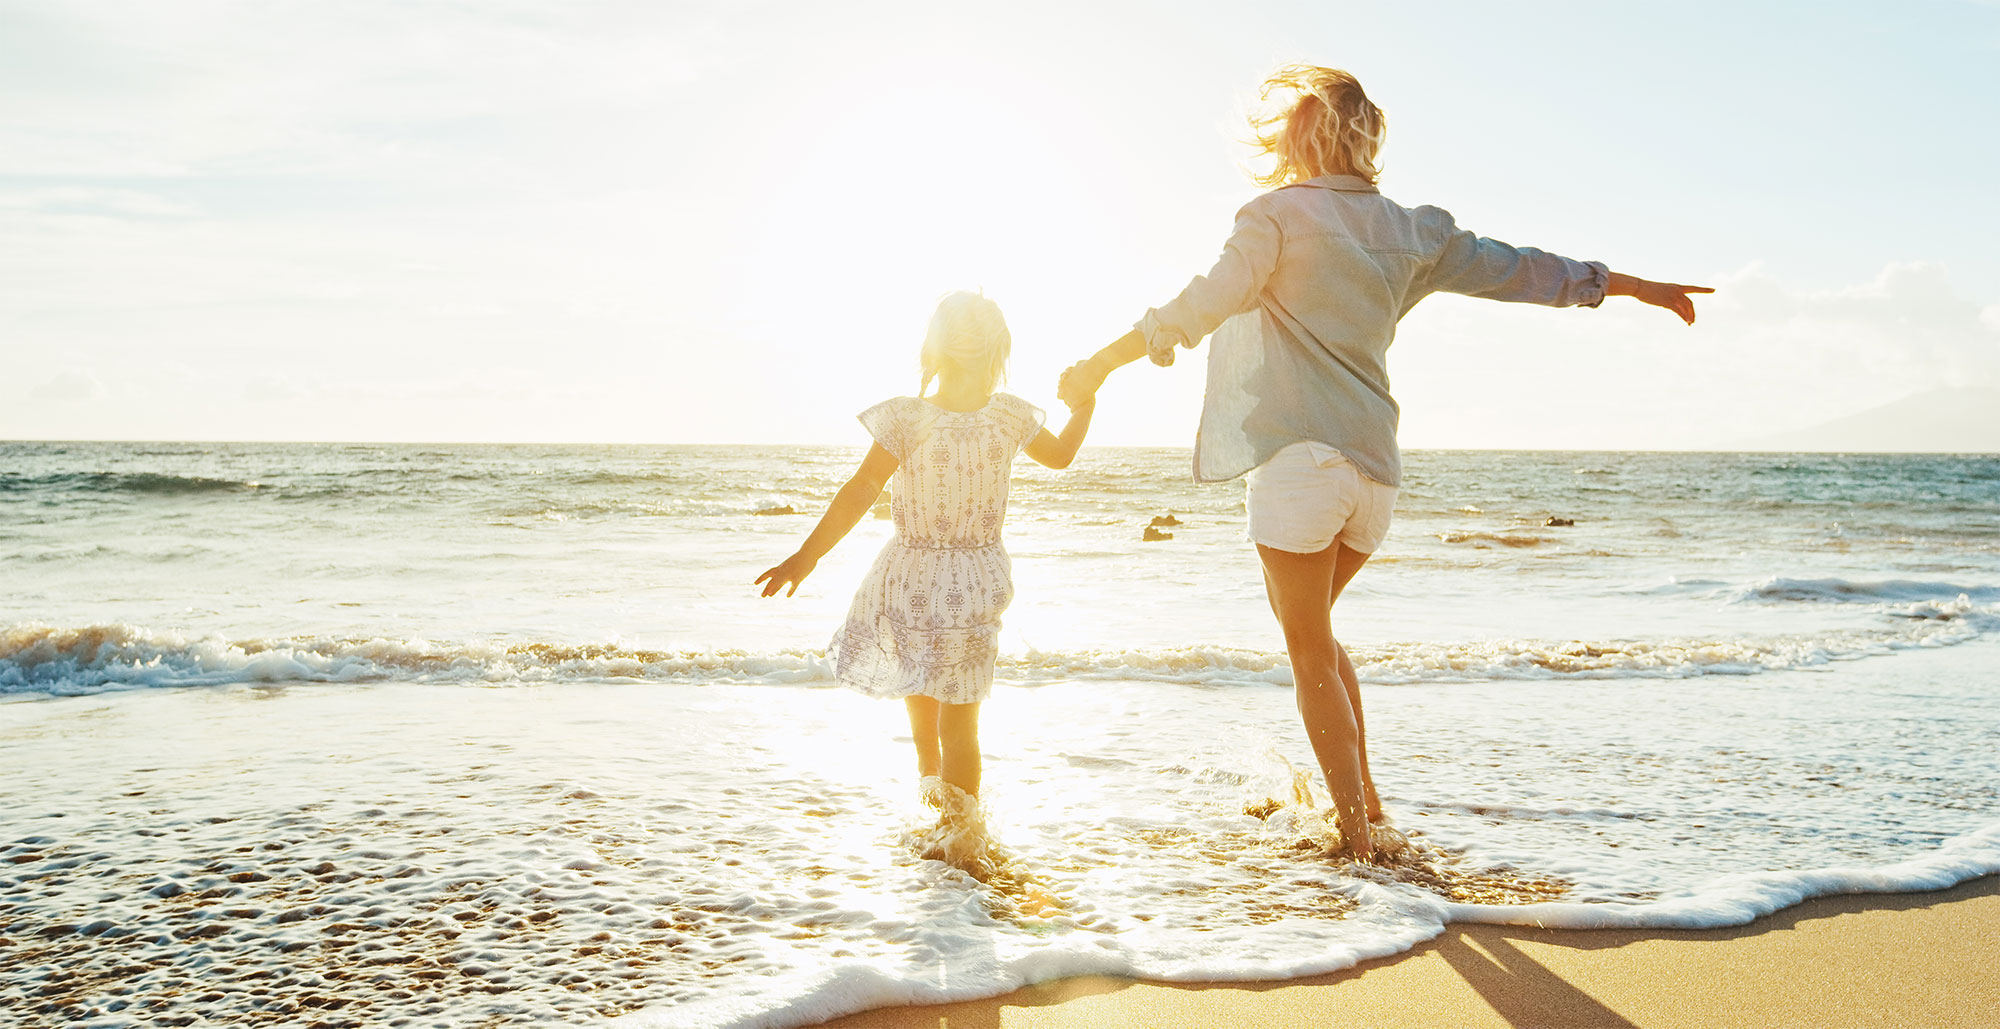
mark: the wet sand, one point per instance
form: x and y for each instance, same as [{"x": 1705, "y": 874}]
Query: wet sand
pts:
[{"x": 1912, "y": 959}]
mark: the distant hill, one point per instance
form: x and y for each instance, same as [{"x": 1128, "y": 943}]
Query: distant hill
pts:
[{"x": 1952, "y": 421}]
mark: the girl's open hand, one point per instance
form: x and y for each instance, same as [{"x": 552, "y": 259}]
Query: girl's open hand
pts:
[{"x": 789, "y": 572}]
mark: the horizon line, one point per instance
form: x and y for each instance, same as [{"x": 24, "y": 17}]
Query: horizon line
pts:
[{"x": 1086, "y": 446}]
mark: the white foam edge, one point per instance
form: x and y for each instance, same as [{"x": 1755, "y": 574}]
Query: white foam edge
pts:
[
  {"x": 1741, "y": 899},
  {"x": 853, "y": 987},
  {"x": 126, "y": 657}
]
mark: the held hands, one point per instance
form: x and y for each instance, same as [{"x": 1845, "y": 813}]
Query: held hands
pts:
[
  {"x": 1078, "y": 385},
  {"x": 789, "y": 572}
]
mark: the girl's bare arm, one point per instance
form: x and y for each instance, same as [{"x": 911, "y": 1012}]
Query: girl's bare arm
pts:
[
  {"x": 849, "y": 506},
  {"x": 1056, "y": 451}
]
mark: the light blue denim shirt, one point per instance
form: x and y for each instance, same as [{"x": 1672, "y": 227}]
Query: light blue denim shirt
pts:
[{"x": 1304, "y": 303}]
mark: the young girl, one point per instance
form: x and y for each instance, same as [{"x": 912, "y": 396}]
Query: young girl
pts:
[{"x": 925, "y": 624}]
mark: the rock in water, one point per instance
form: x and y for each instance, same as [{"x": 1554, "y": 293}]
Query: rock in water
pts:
[
  {"x": 1152, "y": 534},
  {"x": 1165, "y": 520},
  {"x": 1559, "y": 523}
]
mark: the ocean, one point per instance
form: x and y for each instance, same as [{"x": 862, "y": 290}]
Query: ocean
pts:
[{"x": 478, "y": 734}]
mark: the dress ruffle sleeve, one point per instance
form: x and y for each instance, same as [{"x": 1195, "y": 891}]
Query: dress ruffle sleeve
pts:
[
  {"x": 1023, "y": 419},
  {"x": 888, "y": 422}
]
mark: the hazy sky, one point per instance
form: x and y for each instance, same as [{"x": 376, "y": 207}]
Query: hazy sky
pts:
[{"x": 682, "y": 221}]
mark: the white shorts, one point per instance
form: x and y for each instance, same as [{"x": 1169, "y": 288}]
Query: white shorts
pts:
[{"x": 1308, "y": 495}]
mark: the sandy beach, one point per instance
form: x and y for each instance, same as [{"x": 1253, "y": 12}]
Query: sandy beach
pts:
[
  {"x": 424, "y": 855},
  {"x": 1914, "y": 959}
]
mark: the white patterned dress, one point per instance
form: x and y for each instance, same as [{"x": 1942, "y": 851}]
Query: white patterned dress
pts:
[{"x": 926, "y": 620}]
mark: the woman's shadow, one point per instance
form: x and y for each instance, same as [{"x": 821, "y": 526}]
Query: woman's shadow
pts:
[{"x": 1516, "y": 986}]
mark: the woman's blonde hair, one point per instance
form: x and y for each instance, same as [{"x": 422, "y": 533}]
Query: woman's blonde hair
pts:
[
  {"x": 968, "y": 333},
  {"x": 1323, "y": 124}
]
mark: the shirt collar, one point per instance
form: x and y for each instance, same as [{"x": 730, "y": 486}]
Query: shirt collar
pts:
[{"x": 1342, "y": 183}]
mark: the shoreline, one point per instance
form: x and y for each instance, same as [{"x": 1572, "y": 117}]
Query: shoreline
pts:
[
  {"x": 1858, "y": 959},
  {"x": 420, "y": 853}
]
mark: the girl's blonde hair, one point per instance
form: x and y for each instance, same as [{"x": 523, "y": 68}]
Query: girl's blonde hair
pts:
[
  {"x": 1323, "y": 125},
  {"x": 968, "y": 333}
]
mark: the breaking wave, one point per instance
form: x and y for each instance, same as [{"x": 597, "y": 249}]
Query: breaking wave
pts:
[
  {"x": 1845, "y": 591},
  {"x": 67, "y": 661},
  {"x": 122, "y": 482}
]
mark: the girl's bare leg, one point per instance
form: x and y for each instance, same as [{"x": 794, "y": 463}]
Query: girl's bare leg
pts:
[
  {"x": 1299, "y": 586},
  {"x": 924, "y": 731},
  {"x": 958, "y": 732}
]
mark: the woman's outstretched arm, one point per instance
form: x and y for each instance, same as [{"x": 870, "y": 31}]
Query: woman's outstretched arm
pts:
[
  {"x": 1470, "y": 264},
  {"x": 1082, "y": 380},
  {"x": 1249, "y": 256}
]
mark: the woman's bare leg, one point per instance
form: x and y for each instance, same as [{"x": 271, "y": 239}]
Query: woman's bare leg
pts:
[
  {"x": 958, "y": 732},
  {"x": 1300, "y": 586},
  {"x": 1347, "y": 561},
  {"x": 924, "y": 731},
  {"x": 1352, "y": 683}
]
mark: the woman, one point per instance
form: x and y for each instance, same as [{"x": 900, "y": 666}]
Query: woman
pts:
[{"x": 1304, "y": 303}]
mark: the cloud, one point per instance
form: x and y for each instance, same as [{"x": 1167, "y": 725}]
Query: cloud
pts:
[
  {"x": 234, "y": 86},
  {"x": 93, "y": 200},
  {"x": 1908, "y": 329},
  {"x": 1767, "y": 355},
  {"x": 69, "y": 385}
]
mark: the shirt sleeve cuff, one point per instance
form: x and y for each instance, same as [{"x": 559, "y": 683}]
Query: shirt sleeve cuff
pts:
[
  {"x": 1161, "y": 338},
  {"x": 1590, "y": 292}
]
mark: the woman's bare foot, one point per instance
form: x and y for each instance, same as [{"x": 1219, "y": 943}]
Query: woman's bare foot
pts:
[{"x": 1390, "y": 843}]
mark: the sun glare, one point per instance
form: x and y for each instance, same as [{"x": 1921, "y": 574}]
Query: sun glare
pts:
[{"x": 909, "y": 193}]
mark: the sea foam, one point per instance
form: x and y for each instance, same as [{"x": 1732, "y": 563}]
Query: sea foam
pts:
[
  {"x": 706, "y": 854},
  {"x": 69, "y": 661}
]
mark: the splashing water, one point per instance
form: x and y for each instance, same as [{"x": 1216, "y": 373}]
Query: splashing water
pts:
[
  {"x": 962, "y": 839},
  {"x": 1300, "y": 826}
]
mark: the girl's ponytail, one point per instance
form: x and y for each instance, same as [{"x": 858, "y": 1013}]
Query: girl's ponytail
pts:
[{"x": 968, "y": 332}]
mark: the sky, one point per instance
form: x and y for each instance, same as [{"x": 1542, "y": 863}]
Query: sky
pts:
[{"x": 692, "y": 221}]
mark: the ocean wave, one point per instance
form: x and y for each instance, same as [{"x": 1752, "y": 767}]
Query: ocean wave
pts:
[
  {"x": 1846, "y": 591},
  {"x": 45, "y": 659},
  {"x": 1680, "y": 586},
  {"x": 571, "y": 509},
  {"x": 1485, "y": 539},
  {"x": 123, "y": 482},
  {"x": 42, "y": 659}
]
